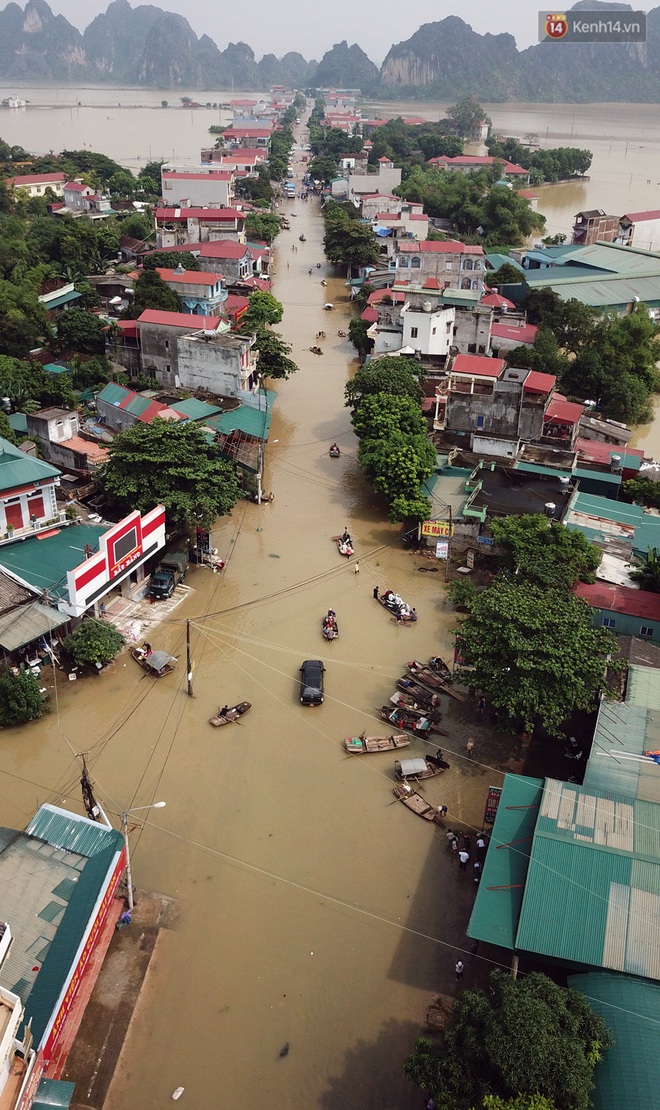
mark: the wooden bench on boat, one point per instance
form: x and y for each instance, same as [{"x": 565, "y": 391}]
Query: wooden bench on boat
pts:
[
  {"x": 363, "y": 745},
  {"x": 416, "y": 803}
]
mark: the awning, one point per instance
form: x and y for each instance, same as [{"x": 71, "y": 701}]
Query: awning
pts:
[
  {"x": 28, "y": 623},
  {"x": 53, "y": 1094}
]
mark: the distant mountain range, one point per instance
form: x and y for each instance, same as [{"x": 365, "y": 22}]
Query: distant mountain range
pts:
[{"x": 444, "y": 60}]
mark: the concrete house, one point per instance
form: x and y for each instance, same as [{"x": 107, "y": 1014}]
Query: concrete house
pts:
[
  {"x": 27, "y": 492},
  {"x": 455, "y": 265},
  {"x": 200, "y": 188},
  {"x": 238, "y": 135},
  {"x": 186, "y": 226},
  {"x": 57, "y": 433},
  {"x": 201, "y": 294},
  {"x": 373, "y": 203},
  {"x": 470, "y": 163},
  {"x": 35, "y": 184},
  {"x": 222, "y": 363},
  {"x": 159, "y": 333},
  {"x": 231, "y": 260},
  {"x": 76, "y": 196},
  {"x": 641, "y": 229},
  {"x": 120, "y": 408},
  {"x": 409, "y": 224},
  {"x": 626, "y": 611},
  {"x": 471, "y": 325}
]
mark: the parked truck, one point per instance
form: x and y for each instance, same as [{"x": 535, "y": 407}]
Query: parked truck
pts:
[{"x": 170, "y": 571}]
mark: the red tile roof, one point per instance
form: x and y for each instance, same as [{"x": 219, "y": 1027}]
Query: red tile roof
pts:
[
  {"x": 537, "y": 382},
  {"x": 248, "y": 132},
  {"x": 479, "y": 366},
  {"x": 236, "y": 305},
  {"x": 433, "y": 246},
  {"x": 384, "y": 159},
  {"x": 593, "y": 450},
  {"x": 261, "y": 283},
  {"x": 561, "y": 411},
  {"x": 476, "y": 160},
  {"x": 378, "y": 294},
  {"x": 179, "y": 320},
  {"x": 189, "y": 277},
  {"x": 497, "y": 301},
  {"x": 525, "y": 334},
  {"x": 641, "y": 217},
  {"x": 177, "y": 213},
  {"x": 620, "y": 599},
  {"x": 418, "y": 216},
  {"x": 75, "y": 187},
  {"x": 36, "y": 179},
  {"x": 223, "y": 248},
  {"x": 370, "y": 315},
  {"x": 127, "y": 327},
  {"x": 94, "y": 452}
]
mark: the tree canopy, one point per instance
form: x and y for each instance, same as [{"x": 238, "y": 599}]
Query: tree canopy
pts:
[
  {"x": 170, "y": 464},
  {"x": 536, "y": 652},
  {"x": 94, "y": 641},
  {"x": 347, "y": 240},
  {"x": 554, "y": 164},
  {"x": 263, "y": 308},
  {"x": 262, "y": 225},
  {"x": 398, "y": 377},
  {"x": 150, "y": 291},
  {"x": 522, "y": 1041},
  {"x": 20, "y": 698},
  {"x": 545, "y": 554},
  {"x": 273, "y": 353}
]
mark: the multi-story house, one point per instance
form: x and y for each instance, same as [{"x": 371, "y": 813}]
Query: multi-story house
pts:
[
  {"x": 594, "y": 226},
  {"x": 201, "y": 294},
  {"x": 35, "y": 184},
  {"x": 454, "y": 265},
  {"x": 233, "y": 261},
  {"x": 199, "y": 188},
  {"x": 184, "y": 226}
]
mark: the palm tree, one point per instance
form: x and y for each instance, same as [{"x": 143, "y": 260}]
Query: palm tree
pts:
[{"x": 647, "y": 570}]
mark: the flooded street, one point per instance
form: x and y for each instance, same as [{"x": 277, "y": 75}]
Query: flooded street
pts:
[{"x": 313, "y": 906}]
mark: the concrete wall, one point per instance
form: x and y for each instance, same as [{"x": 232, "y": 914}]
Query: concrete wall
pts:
[
  {"x": 382, "y": 182},
  {"x": 219, "y": 364},
  {"x": 118, "y": 420},
  {"x": 472, "y": 330},
  {"x": 429, "y": 332},
  {"x": 231, "y": 269},
  {"x": 160, "y": 351},
  {"x": 201, "y": 191},
  {"x": 63, "y": 426},
  {"x": 497, "y": 448},
  {"x": 500, "y": 414},
  {"x": 456, "y": 271}
]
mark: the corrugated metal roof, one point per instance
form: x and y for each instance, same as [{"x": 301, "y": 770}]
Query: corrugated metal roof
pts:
[
  {"x": 592, "y": 894},
  {"x": 643, "y": 688},
  {"x": 29, "y": 623},
  {"x": 112, "y": 393},
  {"x": 71, "y": 832},
  {"x": 42, "y": 563},
  {"x": 500, "y": 893},
  {"x": 196, "y": 410},
  {"x": 620, "y": 730},
  {"x": 17, "y": 469},
  {"x": 629, "y": 1073},
  {"x": 250, "y": 421}
]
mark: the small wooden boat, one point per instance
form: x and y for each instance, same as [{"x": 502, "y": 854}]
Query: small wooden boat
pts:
[
  {"x": 419, "y": 693},
  {"x": 344, "y": 545},
  {"x": 432, "y": 679},
  {"x": 156, "y": 663},
  {"x": 418, "y": 768},
  {"x": 334, "y": 452},
  {"x": 316, "y": 350},
  {"x": 230, "y": 715},
  {"x": 364, "y": 745},
  {"x": 409, "y": 705},
  {"x": 397, "y": 606},
  {"x": 341, "y": 334},
  {"x": 414, "y": 801},
  {"x": 329, "y": 627},
  {"x": 302, "y": 238},
  {"x": 401, "y": 718},
  {"x": 440, "y": 667}
]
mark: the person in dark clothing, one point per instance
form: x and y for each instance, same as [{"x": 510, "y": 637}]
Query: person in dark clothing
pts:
[
  {"x": 224, "y": 711},
  {"x": 375, "y": 593}
]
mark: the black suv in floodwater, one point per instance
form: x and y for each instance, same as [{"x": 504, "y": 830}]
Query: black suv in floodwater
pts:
[{"x": 311, "y": 682}]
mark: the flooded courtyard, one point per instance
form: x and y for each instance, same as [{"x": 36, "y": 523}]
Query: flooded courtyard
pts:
[{"x": 315, "y": 910}]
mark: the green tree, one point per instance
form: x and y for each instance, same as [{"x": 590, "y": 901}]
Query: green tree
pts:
[
  {"x": 273, "y": 354},
  {"x": 536, "y": 652},
  {"x": 508, "y": 274},
  {"x": 382, "y": 415},
  {"x": 466, "y": 117},
  {"x": 262, "y": 225},
  {"x": 323, "y": 169},
  {"x": 520, "y": 1102},
  {"x": 23, "y": 320},
  {"x": 78, "y": 330},
  {"x": 347, "y": 240},
  {"x": 94, "y": 641},
  {"x": 151, "y": 170},
  {"x": 544, "y": 554},
  {"x": 643, "y": 491},
  {"x": 357, "y": 333},
  {"x": 263, "y": 308},
  {"x": 150, "y": 291},
  {"x": 524, "y": 1037},
  {"x": 398, "y": 377},
  {"x": 646, "y": 570},
  {"x": 170, "y": 464},
  {"x": 163, "y": 259},
  {"x": 20, "y": 699}
]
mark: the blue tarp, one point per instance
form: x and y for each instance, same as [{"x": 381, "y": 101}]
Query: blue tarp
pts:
[{"x": 383, "y": 231}]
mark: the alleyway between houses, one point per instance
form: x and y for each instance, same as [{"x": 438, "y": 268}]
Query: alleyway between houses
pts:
[{"x": 315, "y": 910}]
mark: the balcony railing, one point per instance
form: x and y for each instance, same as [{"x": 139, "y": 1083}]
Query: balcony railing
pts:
[{"x": 59, "y": 518}]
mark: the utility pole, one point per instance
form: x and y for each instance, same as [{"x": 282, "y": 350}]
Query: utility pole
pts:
[
  {"x": 189, "y": 660},
  {"x": 448, "y": 547},
  {"x": 92, "y": 808}
]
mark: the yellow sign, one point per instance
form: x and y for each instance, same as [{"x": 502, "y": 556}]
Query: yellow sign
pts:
[{"x": 438, "y": 528}]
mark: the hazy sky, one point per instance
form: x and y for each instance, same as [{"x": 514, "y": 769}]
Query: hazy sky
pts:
[{"x": 311, "y": 27}]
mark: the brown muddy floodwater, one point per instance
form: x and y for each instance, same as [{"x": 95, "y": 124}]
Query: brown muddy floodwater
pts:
[{"x": 315, "y": 909}]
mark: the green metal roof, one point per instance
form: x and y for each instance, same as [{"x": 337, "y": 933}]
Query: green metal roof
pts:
[
  {"x": 538, "y": 468},
  {"x": 243, "y": 419},
  {"x": 71, "y": 832},
  {"x": 137, "y": 405},
  {"x": 593, "y": 885},
  {"x": 500, "y": 893},
  {"x": 18, "y": 469},
  {"x": 18, "y": 421},
  {"x": 496, "y": 260},
  {"x": 196, "y": 410},
  {"x": 62, "y": 299},
  {"x": 629, "y": 1073},
  {"x": 624, "y": 728},
  {"x": 643, "y": 687},
  {"x": 55, "y": 368},
  {"x": 112, "y": 393},
  {"x": 42, "y": 564},
  {"x": 53, "y": 1094},
  {"x": 605, "y": 477},
  {"x": 609, "y": 518}
]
